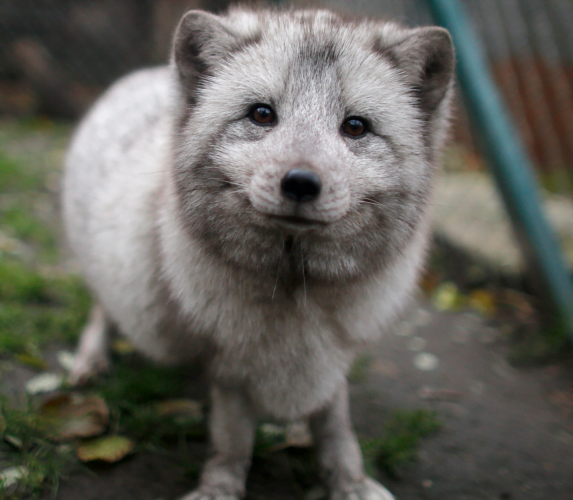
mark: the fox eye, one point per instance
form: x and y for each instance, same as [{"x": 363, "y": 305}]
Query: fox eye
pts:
[
  {"x": 262, "y": 114},
  {"x": 354, "y": 126}
]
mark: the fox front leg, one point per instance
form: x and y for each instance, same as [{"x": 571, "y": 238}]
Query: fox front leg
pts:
[
  {"x": 92, "y": 357},
  {"x": 232, "y": 425},
  {"x": 339, "y": 454}
]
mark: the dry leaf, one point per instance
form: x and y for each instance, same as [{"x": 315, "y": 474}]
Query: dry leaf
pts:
[
  {"x": 122, "y": 346},
  {"x": 70, "y": 416},
  {"x": 483, "y": 301},
  {"x": 109, "y": 449},
  {"x": 180, "y": 408}
]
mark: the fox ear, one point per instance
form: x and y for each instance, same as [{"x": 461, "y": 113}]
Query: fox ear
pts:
[
  {"x": 427, "y": 59},
  {"x": 201, "y": 41}
]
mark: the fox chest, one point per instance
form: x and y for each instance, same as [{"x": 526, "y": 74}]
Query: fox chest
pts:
[{"x": 288, "y": 374}]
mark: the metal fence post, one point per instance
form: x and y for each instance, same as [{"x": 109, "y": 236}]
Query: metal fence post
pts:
[{"x": 510, "y": 165}]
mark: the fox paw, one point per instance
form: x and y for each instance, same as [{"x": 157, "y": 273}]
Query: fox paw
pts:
[
  {"x": 364, "y": 490},
  {"x": 88, "y": 366}
]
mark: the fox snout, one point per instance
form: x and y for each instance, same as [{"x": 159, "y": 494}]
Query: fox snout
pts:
[
  {"x": 301, "y": 185},
  {"x": 303, "y": 191}
]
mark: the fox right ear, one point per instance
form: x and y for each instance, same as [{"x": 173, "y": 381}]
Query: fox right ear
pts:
[{"x": 201, "y": 40}]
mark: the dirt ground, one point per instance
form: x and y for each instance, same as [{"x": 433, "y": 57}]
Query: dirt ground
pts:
[{"x": 507, "y": 433}]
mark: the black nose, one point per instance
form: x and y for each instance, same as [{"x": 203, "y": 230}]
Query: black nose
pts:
[{"x": 301, "y": 185}]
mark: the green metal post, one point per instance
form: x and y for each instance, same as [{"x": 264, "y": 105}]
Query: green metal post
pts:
[{"x": 510, "y": 163}]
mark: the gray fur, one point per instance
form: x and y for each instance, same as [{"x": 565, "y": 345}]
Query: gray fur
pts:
[{"x": 173, "y": 207}]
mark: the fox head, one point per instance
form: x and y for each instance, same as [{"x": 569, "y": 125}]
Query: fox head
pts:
[{"x": 305, "y": 142}]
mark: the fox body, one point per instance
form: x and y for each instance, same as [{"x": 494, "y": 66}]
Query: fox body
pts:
[{"x": 260, "y": 204}]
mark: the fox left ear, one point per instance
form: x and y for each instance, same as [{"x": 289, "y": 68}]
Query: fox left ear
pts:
[
  {"x": 427, "y": 58},
  {"x": 202, "y": 40}
]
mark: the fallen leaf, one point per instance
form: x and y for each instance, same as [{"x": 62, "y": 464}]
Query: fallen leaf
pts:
[
  {"x": 109, "y": 449},
  {"x": 483, "y": 301},
  {"x": 70, "y": 416},
  {"x": 298, "y": 435},
  {"x": 32, "y": 361},
  {"x": 180, "y": 408},
  {"x": 10, "y": 476},
  {"x": 45, "y": 382},
  {"x": 447, "y": 297},
  {"x": 122, "y": 346}
]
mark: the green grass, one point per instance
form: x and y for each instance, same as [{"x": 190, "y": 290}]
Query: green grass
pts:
[
  {"x": 532, "y": 347},
  {"x": 131, "y": 391},
  {"x": 36, "y": 306},
  {"x": 24, "y": 442},
  {"x": 36, "y": 309},
  {"x": 20, "y": 224},
  {"x": 14, "y": 178},
  {"x": 399, "y": 446},
  {"x": 359, "y": 369}
]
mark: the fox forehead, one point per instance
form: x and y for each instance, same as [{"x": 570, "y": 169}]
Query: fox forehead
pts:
[{"x": 310, "y": 70}]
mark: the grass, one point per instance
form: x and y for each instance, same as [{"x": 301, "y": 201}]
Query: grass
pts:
[
  {"x": 27, "y": 228},
  {"x": 25, "y": 443},
  {"x": 359, "y": 370},
  {"x": 14, "y": 178},
  {"x": 131, "y": 392},
  {"x": 399, "y": 446},
  {"x": 531, "y": 347},
  {"x": 37, "y": 306},
  {"x": 36, "y": 309}
]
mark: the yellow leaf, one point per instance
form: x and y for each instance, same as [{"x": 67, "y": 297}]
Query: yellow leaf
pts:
[
  {"x": 122, "y": 346},
  {"x": 447, "y": 297},
  {"x": 109, "y": 449},
  {"x": 483, "y": 301}
]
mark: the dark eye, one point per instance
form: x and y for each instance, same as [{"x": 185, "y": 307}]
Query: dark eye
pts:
[
  {"x": 262, "y": 114},
  {"x": 354, "y": 126}
]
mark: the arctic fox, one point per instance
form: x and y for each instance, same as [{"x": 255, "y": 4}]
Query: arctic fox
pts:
[{"x": 261, "y": 203}]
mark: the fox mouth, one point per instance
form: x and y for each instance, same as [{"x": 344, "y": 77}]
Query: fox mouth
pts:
[{"x": 300, "y": 223}]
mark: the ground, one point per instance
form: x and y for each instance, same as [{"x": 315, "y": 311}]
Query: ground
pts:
[{"x": 472, "y": 417}]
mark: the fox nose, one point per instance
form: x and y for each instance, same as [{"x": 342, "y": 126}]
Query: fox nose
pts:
[{"x": 301, "y": 185}]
